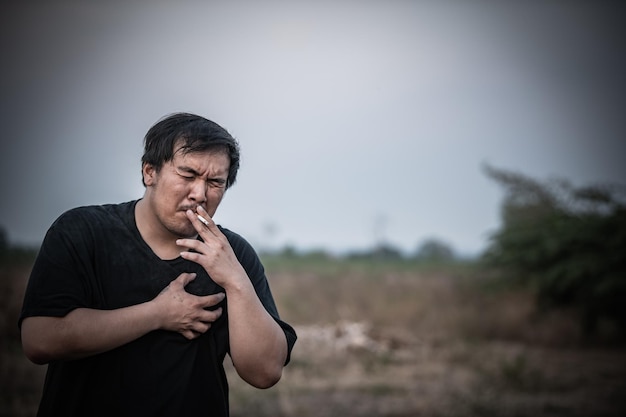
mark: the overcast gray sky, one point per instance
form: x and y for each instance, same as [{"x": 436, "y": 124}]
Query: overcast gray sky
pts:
[{"x": 358, "y": 120}]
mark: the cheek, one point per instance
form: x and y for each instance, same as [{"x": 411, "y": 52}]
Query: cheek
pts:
[
  {"x": 215, "y": 193},
  {"x": 172, "y": 190},
  {"x": 214, "y": 198},
  {"x": 169, "y": 196}
]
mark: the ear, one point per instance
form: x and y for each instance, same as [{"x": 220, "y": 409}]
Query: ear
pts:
[{"x": 149, "y": 174}]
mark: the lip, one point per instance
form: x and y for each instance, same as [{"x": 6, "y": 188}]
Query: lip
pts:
[{"x": 193, "y": 208}]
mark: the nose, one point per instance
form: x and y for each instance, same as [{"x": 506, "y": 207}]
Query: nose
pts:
[{"x": 198, "y": 191}]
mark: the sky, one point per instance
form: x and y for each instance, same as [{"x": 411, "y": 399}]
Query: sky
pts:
[{"x": 360, "y": 122}]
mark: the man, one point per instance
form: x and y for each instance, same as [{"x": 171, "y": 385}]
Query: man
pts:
[{"x": 134, "y": 306}]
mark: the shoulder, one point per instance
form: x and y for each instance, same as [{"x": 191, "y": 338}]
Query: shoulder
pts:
[
  {"x": 90, "y": 219},
  {"x": 232, "y": 236},
  {"x": 242, "y": 248},
  {"x": 237, "y": 242},
  {"x": 95, "y": 212}
]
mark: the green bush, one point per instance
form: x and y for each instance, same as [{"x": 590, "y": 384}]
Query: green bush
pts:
[{"x": 568, "y": 243}]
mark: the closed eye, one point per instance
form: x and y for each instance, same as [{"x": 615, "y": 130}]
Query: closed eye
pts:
[
  {"x": 186, "y": 173},
  {"x": 218, "y": 183}
]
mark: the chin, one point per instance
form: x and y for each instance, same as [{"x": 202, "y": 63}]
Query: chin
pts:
[
  {"x": 189, "y": 233},
  {"x": 184, "y": 231}
]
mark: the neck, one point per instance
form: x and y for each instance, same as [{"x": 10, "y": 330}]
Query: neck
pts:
[{"x": 160, "y": 240}]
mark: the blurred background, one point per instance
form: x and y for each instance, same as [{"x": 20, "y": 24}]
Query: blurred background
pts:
[
  {"x": 357, "y": 120},
  {"x": 422, "y": 154}
]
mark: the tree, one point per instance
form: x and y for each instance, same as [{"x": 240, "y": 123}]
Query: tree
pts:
[
  {"x": 569, "y": 243},
  {"x": 434, "y": 250}
]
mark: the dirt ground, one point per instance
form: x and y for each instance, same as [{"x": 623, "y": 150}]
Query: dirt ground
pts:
[
  {"x": 440, "y": 378},
  {"x": 401, "y": 343}
]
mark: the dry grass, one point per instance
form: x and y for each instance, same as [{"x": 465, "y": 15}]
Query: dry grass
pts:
[
  {"x": 20, "y": 381},
  {"x": 443, "y": 342},
  {"x": 396, "y": 340}
]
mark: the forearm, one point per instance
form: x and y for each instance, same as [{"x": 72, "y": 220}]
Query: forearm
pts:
[
  {"x": 258, "y": 346},
  {"x": 85, "y": 332}
]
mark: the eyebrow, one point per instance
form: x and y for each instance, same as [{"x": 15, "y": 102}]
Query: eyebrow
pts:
[
  {"x": 192, "y": 171},
  {"x": 188, "y": 170}
]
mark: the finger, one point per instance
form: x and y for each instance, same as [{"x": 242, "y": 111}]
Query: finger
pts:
[
  {"x": 193, "y": 257},
  {"x": 209, "y": 316},
  {"x": 196, "y": 251},
  {"x": 211, "y": 300},
  {"x": 189, "y": 334},
  {"x": 190, "y": 244},
  {"x": 192, "y": 334},
  {"x": 201, "y": 327},
  {"x": 204, "y": 218},
  {"x": 186, "y": 277},
  {"x": 200, "y": 223}
]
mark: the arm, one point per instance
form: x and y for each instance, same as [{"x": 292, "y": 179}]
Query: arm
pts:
[
  {"x": 258, "y": 346},
  {"x": 84, "y": 332}
]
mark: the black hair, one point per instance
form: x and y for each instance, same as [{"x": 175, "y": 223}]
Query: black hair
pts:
[{"x": 192, "y": 133}]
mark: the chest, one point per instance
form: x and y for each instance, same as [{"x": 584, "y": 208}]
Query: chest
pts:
[{"x": 128, "y": 275}]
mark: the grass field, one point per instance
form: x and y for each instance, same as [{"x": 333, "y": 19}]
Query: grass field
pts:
[{"x": 395, "y": 339}]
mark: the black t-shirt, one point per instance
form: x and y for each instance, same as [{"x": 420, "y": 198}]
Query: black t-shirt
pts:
[{"x": 94, "y": 257}]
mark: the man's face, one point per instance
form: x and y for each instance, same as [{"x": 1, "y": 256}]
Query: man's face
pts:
[{"x": 188, "y": 180}]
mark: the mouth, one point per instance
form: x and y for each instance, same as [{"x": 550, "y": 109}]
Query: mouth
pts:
[{"x": 193, "y": 208}]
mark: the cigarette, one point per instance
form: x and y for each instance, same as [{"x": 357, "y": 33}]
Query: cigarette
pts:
[{"x": 203, "y": 220}]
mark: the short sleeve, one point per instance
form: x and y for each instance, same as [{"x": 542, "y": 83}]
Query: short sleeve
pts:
[
  {"x": 62, "y": 277},
  {"x": 250, "y": 261}
]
